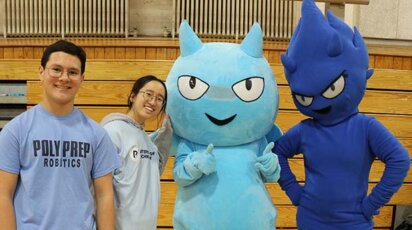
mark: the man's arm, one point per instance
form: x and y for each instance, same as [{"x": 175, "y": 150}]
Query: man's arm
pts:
[
  {"x": 7, "y": 188},
  {"x": 103, "y": 187}
]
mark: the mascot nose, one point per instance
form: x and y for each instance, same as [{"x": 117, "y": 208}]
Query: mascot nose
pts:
[{"x": 220, "y": 93}]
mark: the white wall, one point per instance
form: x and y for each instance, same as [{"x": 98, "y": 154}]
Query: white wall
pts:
[
  {"x": 386, "y": 19},
  {"x": 2, "y": 15},
  {"x": 381, "y": 19},
  {"x": 151, "y": 16}
]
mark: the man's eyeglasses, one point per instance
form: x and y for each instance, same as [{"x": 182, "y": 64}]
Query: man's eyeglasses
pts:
[
  {"x": 149, "y": 95},
  {"x": 57, "y": 72}
]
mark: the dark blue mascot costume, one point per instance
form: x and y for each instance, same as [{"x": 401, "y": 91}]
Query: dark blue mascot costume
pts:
[{"x": 326, "y": 65}]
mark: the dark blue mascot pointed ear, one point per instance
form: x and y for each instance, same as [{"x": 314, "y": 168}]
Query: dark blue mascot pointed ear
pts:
[
  {"x": 334, "y": 45},
  {"x": 189, "y": 41},
  {"x": 288, "y": 63},
  {"x": 369, "y": 73}
]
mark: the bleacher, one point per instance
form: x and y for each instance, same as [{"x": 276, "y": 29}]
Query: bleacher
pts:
[{"x": 113, "y": 65}]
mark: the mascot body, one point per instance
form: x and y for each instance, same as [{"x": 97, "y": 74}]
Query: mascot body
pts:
[
  {"x": 326, "y": 65},
  {"x": 222, "y": 102}
]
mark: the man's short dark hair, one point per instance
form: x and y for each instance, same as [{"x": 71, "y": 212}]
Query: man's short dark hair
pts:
[{"x": 66, "y": 47}]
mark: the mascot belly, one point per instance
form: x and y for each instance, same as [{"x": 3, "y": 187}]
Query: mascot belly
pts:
[{"x": 234, "y": 197}]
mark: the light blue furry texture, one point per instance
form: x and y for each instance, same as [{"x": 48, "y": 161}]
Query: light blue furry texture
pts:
[{"x": 223, "y": 100}]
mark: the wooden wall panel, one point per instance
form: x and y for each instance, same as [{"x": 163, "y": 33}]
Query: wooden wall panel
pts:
[
  {"x": 140, "y": 53},
  {"x": 407, "y": 63},
  {"x": 266, "y": 54},
  {"x": 109, "y": 53},
  {"x": 8, "y": 53},
  {"x": 130, "y": 53},
  {"x": 119, "y": 53},
  {"x": 383, "y": 62},
  {"x": 151, "y": 53},
  {"x": 99, "y": 53},
  {"x": 38, "y": 52},
  {"x": 28, "y": 53},
  {"x": 161, "y": 53},
  {"x": 18, "y": 53},
  {"x": 397, "y": 62},
  {"x": 171, "y": 54},
  {"x": 388, "y": 57},
  {"x": 371, "y": 61},
  {"x": 389, "y": 79},
  {"x": 89, "y": 52},
  {"x": 407, "y": 143}
]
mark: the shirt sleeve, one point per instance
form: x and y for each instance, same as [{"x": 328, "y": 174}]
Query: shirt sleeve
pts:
[
  {"x": 163, "y": 142},
  {"x": 9, "y": 152},
  {"x": 105, "y": 157},
  {"x": 286, "y": 147},
  {"x": 397, "y": 163}
]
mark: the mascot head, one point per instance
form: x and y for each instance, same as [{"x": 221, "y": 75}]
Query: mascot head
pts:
[
  {"x": 326, "y": 65},
  {"x": 221, "y": 93}
]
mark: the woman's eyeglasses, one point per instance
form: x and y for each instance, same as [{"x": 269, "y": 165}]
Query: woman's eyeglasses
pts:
[{"x": 149, "y": 95}]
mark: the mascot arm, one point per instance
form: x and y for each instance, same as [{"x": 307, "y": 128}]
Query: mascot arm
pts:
[
  {"x": 162, "y": 138},
  {"x": 274, "y": 133},
  {"x": 286, "y": 147},
  {"x": 190, "y": 166},
  {"x": 268, "y": 164},
  {"x": 397, "y": 162}
]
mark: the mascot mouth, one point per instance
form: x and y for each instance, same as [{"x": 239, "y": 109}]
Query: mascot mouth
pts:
[
  {"x": 323, "y": 110},
  {"x": 220, "y": 122}
]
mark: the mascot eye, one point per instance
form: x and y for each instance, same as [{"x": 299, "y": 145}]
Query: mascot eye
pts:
[
  {"x": 249, "y": 89},
  {"x": 335, "y": 88},
  {"x": 191, "y": 88},
  {"x": 303, "y": 100}
]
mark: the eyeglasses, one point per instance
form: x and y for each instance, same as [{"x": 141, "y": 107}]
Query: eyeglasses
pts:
[
  {"x": 57, "y": 72},
  {"x": 149, "y": 95}
]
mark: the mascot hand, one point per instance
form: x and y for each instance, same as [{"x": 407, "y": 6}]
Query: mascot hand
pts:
[
  {"x": 268, "y": 164},
  {"x": 205, "y": 161}
]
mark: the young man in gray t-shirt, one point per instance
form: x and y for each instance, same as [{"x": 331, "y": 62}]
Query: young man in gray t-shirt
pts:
[{"x": 53, "y": 155}]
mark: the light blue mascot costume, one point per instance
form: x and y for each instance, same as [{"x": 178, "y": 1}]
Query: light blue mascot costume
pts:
[
  {"x": 326, "y": 65},
  {"x": 223, "y": 100}
]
